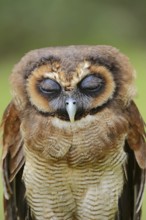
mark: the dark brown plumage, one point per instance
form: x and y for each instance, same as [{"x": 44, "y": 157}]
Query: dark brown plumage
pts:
[{"x": 73, "y": 139}]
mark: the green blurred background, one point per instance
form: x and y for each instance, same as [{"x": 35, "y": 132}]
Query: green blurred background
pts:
[{"x": 31, "y": 24}]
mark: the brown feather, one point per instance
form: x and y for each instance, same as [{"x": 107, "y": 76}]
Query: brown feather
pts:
[
  {"x": 135, "y": 147},
  {"x": 12, "y": 163},
  {"x": 137, "y": 134},
  {"x": 12, "y": 142}
]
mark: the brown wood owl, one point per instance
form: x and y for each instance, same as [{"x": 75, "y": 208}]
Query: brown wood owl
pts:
[{"x": 73, "y": 140}]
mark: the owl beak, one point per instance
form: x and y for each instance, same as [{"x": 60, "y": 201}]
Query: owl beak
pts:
[{"x": 71, "y": 108}]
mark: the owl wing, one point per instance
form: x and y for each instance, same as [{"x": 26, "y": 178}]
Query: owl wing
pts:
[
  {"x": 135, "y": 169},
  {"x": 15, "y": 205}
]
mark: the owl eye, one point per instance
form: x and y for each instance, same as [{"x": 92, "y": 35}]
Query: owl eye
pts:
[
  {"x": 92, "y": 84},
  {"x": 49, "y": 86}
]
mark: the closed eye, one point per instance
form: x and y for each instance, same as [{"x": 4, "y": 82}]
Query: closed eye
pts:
[
  {"x": 48, "y": 86},
  {"x": 92, "y": 84}
]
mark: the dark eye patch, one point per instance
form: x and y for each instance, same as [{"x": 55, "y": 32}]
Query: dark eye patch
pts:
[
  {"x": 92, "y": 84},
  {"x": 49, "y": 87}
]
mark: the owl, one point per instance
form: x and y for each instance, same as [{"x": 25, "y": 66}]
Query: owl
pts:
[{"x": 73, "y": 139}]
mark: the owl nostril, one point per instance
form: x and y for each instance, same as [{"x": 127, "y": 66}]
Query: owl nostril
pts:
[{"x": 68, "y": 102}]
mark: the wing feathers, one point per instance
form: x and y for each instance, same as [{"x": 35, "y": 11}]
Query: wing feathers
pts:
[
  {"x": 17, "y": 159},
  {"x": 141, "y": 191},
  {"x": 13, "y": 161},
  {"x": 12, "y": 154},
  {"x": 137, "y": 135},
  {"x": 130, "y": 202}
]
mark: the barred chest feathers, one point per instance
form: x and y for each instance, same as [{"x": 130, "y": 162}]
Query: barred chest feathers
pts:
[{"x": 76, "y": 172}]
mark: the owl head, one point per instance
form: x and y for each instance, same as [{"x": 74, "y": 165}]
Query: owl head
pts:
[{"x": 71, "y": 82}]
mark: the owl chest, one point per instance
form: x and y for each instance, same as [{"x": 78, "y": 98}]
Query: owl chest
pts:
[
  {"x": 58, "y": 191},
  {"x": 74, "y": 173}
]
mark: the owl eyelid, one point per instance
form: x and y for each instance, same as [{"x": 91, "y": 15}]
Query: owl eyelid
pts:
[
  {"x": 91, "y": 84},
  {"x": 49, "y": 86}
]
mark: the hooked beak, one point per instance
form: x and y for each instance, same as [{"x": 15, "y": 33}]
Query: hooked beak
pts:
[{"x": 71, "y": 108}]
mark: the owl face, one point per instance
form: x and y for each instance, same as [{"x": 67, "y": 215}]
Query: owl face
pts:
[{"x": 72, "y": 82}]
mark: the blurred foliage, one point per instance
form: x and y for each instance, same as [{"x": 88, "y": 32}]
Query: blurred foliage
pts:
[{"x": 31, "y": 24}]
